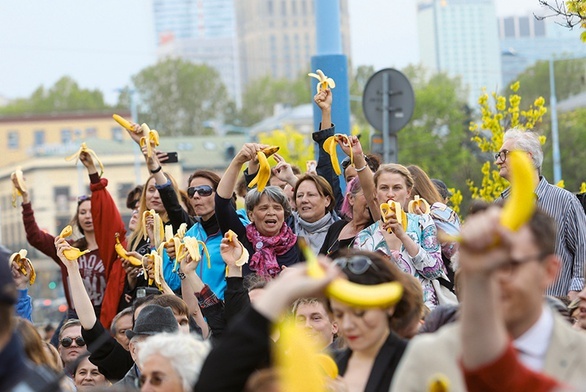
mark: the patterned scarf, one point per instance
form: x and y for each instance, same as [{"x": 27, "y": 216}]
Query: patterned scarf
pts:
[{"x": 266, "y": 249}]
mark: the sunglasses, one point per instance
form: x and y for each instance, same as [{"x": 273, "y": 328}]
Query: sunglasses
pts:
[
  {"x": 66, "y": 342},
  {"x": 203, "y": 190},
  {"x": 356, "y": 264},
  {"x": 346, "y": 162}
]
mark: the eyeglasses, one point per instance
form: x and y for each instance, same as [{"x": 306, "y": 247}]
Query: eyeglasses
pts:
[
  {"x": 512, "y": 265},
  {"x": 346, "y": 162},
  {"x": 67, "y": 341},
  {"x": 502, "y": 155},
  {"x": 356, "y": 264},
  {"x": 203, "y": 190}
]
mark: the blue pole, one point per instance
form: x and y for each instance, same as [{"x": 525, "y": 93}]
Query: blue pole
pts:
[{"x": 330, "y": 59}]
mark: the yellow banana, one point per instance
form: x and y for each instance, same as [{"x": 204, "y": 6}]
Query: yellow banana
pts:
[
  {"x": 123, "y": 122},
  {"x": 353, "y": 294},
  {"x": 328, "y": 365},
  {"x": 330, "y": 146},
  {"x": 66, "y": 232},
  {"x": 168, "y": 233},
  {"x": 391, "y": 209},
  {"x": 151, "y": 139},
  {"x": 230, "y": 235},
  {"x": 192, "y": 246},
  {"x": 158, "y": 227},
  {"x": 268, "y": 151},
  {"x": 21, "y": 261},
  {"x": 84, "y": 148},
  {"x": 520, "y": 204},
  {"x": 264, "y": 172},
  {"x": 323, "y": 81},
  {"x": 181, "y": 231},
  {"x": 154, "y": 261},
  {"x": 18, "y": 185},
  {"x": 439, "y": 383},
  {"x": 71, "y": 253},
  {"x": 418, "y": 202},
  {"x": 123, "y": 254}
]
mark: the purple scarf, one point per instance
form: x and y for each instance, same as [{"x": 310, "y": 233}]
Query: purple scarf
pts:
[{"x": 266, "y": 249}]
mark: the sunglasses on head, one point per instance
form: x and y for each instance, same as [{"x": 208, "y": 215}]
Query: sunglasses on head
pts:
[
  {"x": 346, "y": 162},
  {"x": 83, "y": 198},
  {"x": 356, "y": 264},
  {"x": 67, "y": 341},
  {"x": 203, "y": 190}
]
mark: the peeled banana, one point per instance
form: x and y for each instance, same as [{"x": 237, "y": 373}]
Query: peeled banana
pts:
[
  {"x": 352, "y": 294},
  {"x": 439, "y": 383},
  {"x": 244, "y": 256},
  {"x": 21, "y": 261},
  {"x": 323, "y": 81},
  {"x": 84, "y": 148},
  {"x": 192, "y": 247},
  {"x": 71, "y": 253},
  {"x": 18, "y": 178},
  {"x": 520, "y": 204},
  {"x": 154, "y": 261},
  {"x": 123, "y": 254},
  {"x": 330, "y": 146},
  {"x": 264, "y": 172},
  {"x": 158, "y": 228},
  {"x": 391, "y": 209},
  {"x": 418, "y": 202},
  {"x": 151, "y": 139},
  {"x": 123, "y": 122}
]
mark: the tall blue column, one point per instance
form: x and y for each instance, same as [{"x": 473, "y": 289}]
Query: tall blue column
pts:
[{"x": 330, "y": 59}]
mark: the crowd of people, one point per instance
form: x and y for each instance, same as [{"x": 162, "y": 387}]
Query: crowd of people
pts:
[{"x": 482, "y": 308}]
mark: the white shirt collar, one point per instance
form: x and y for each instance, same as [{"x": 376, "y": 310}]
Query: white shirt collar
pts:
[{"x": 533, "y": 344}]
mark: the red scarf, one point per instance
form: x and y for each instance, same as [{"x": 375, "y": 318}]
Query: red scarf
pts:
[{"x": 266, "y": 249}]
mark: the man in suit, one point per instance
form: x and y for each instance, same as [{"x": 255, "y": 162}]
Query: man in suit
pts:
[{"x": 524, "y": 264}]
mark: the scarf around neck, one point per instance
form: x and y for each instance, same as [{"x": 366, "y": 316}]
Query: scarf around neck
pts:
[
  {"x": 266, "y": 249},
  {"x": 314, "y": 233}
]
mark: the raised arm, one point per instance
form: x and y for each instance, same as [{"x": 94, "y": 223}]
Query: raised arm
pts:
[{"x": 228, "y": 181}]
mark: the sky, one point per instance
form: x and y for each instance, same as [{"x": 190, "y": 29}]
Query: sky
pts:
[{"x": 102, "y": 43}]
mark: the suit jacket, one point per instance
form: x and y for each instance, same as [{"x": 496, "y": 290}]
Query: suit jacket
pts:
[
  {"x": 384, "y": 366},
  {"x": 440, "y": 352}
]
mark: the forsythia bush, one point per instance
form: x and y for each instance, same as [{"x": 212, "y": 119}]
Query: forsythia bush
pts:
[{"x": 296, "y": 147}]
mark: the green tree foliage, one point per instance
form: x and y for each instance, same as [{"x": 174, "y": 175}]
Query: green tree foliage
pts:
[
  {"x": 64, "y": 96},
  {"x": 358, "y": 81},
  {"x": 261, "y": 96},
  {"x": 177, "y": 97}
]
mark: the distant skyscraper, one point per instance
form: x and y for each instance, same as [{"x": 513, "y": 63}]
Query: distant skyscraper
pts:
[
  {"x": 202, "y": 31},
  {"x": 526, "y": 40},
  {"x": 277, "y": 37},
  {"x": 460, "y": 37}
]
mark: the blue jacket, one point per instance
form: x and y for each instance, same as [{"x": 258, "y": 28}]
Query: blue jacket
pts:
[{"x": 24, "y": 307}]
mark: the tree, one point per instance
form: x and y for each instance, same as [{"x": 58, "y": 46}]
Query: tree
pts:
[
  {"x": 357, "y": 85},
  {"x": 177, "y": 97},
  {"x": 296, "y": 147},
  {"x": 64, "y": 96},
  {"x": 572, "y": 11}
]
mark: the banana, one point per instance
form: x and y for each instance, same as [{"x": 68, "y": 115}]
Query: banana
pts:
[
  {"x": 393, "y": 208},
  {"x": 71, "y": 253},
  {"x": 439, "y": 383},
  {"x": 21, "y": 261},
  {"x": 352, "y": 294},
  {"x": 264, "y": 172},
  {"x": 123, "y": 122},
  {"x": 520, "y": 204},
  {"x": 123, "y": 254},
  {"x": 230, "y": 235},
  {"x": 17, "y": 178},
  {"x": 268, "y": 151},
  {"x": 159, "y": 229},
  {"x": 330, "y": 146},
  {"x": 323, "y": 81},
  {"x": 84, "y": 148},
  {"x": 418, "y": 202},
  {"x": 154, "y": 261},
  {"x": 192, "y": 246},
  {"x": 168, "y": 233},
  {"x": 66, "y": 232},
  {"x": 181, "y": 231},
  {"x": 328, "y": 365},
  {"x": 151, "y": 139}
]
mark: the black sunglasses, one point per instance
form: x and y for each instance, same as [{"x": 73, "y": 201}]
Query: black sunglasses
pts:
[
  {"x": 346, "y": 162},
  {"x": 356, "y": 264},
  {"x": 203, "y": 190},
  {"x": 67, "y": 341}
]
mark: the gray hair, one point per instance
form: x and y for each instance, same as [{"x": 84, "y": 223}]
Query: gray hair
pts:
[
  {"x": 122, "y": 313},
  {"x": 273, "y": 192},
  {"x": 185, "y": 353},
  {"x": 527, "y": 141}
]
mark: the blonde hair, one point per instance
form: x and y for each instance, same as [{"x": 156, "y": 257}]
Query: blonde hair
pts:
[
  {"x": 423, "y": 185},
  {"x": 396, "y": 169}
]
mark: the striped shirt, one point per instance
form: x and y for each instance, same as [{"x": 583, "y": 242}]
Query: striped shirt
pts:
[{"x": 570, "y": 244}]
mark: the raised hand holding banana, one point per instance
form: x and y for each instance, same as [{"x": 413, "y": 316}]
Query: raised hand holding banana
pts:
[{"x": 18, "y": 187}]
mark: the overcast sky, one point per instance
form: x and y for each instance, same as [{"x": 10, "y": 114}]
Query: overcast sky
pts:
[{"x": 101, "y": 43}]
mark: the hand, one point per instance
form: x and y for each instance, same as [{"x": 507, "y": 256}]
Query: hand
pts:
[
  {"x": 231, "y": 251},
  {"x": 323, "y": 99},
  {"x": 170, "y": 248},
  {"x": 355, "y": 146},
  {"x": 60, "y": 245},
  {"x": 20, "y": 280},
  {"x": 25, "y": 195},
  {"x": 137, "y": 132},
  {"x": 150, "y": 228},
  {"x": 131, "y": 271},
  {"x": 188, "y": 265},
  {"x": 283, "y": 170},
  {"x": 248, "y": 154},
  {"x": 152, "y": 162},
  {"x": 572, "y": 295},
  {"x": 88, "y": 162},
  {"x": 395, "y": 227}
]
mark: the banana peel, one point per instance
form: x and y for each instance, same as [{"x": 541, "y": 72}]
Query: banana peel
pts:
[
  {"x": 123, "y": 122},
  {"x": 19, "y": 258},
  {"x": 154, "y": 261},
  {"x": 17, "y": 177},
  {"x": 381, "y": 295},
  {"x": 331, "y": 145},
  {"x": 244, "y": 256},
  {"x": 192, "y": 247},
  {"x": 123, "y": 254},
  {"x": 391, "y": 209},
  {"x": 84, "y": 148},
  {"x": 71, "y": 253},
  {"x": 323, "y": 81},
  {"x": 158, "y": 229},
  {"x": 418, "y": 202},
  {"x": 151, "y": 140},
  {"x": 264, "y": 172}
]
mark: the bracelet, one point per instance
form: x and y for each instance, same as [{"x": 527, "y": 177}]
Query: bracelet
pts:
[
  {"x": 156, "y": 170},
  {"x": 362, "y": 168},
  {"x": 181, "y": 275}
]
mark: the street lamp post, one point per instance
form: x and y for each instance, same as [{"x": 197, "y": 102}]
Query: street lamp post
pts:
[{"x": 557, "y": 167}]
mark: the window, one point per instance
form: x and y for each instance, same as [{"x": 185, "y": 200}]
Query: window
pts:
[
  {"x": 66, "y": 136},
  {"x": 13, "y": 140},
  {"x": 91, "y": 132},
  {"x": 117, "y": 134},
  {"x": 270, "y": 7},
  {"x": 39, "y": 137},
  {"x": 61, "y": 197},
  {"x": 284, "y": 8}
]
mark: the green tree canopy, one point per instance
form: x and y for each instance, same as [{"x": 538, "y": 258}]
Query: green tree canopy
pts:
[
  {"x": 177, "y": 97},
  {"x": 64, "y": 96}
]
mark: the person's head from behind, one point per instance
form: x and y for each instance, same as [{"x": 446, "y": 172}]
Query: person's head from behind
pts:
[
  {"x": 314, "y": 197},
  {"x": 8, "y": 297},
  {"x": 178, "y": 306},
  {"x": 408, "y": 325},
  {"x": 255, "y": 285},
  {"x": 86, "y": 375},
  {"x": 423, "y": 186},
  {"x": 202, "y": 185},
  {"x": 516, "y": 139},
  {"x": 442, "y": 189},
  {"x": 354, "y": 206},
  {"x": 34, "y": 346},
  {"x": 267, "y": 210},
  {"x": 171, "y": 362},
  {"x": 365, "y": 330},
  {"x": 311, "y": 314},
  {"x": 393, "y": 182},
  {"x": 71, "y": 343},
  {"x": 120, "y": 324}
]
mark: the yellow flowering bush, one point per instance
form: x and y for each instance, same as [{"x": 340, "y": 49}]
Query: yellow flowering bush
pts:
[{"x": 296, "y": 147}]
